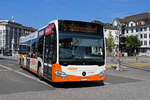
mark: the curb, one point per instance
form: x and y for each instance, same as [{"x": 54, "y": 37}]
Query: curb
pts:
[
  {"x": 9, "y": 57},
  {"x": 125, "y": 64}
]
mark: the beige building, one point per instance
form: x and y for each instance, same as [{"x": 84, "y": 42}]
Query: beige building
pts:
[{"x": 10, "y": 32}]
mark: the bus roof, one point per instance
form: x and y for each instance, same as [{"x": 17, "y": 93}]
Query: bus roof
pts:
[
  {"x": 29, "y": 37},
  {"x": 74, "y": 21}
]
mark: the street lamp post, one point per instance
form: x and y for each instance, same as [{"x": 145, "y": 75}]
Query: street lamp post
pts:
[
  {"x": 12, "y": 43},
  {"x": 119, "y": 33},
  {"x": 2, "y": 46}
]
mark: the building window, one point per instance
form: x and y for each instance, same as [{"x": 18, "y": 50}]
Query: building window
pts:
[
  {"x": 126, "y": 31},
  {"x": 145, "y": 42},
  {"x": 145, "y": 28},
  {"x": 145, "y": 35},
  {"x": 141, "y": 36},
  {"x": 142, "y": 42},
  {"x": 4, "y": 31},
  {"x": 143, "y": 50},
  {"x": 140, "y": 29},
  {"x": 136, "y": 29},
  {"x": 132, "y": 30}
]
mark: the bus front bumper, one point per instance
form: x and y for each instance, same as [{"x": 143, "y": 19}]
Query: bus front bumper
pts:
[{"x": 71, "y": 78}]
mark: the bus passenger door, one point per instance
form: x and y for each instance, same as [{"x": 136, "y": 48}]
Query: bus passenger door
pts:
[
  {"x": 49, "y": 49},
  {"x": 28, "y": 63}
]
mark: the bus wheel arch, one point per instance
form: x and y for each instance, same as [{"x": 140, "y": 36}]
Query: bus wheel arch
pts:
[{"x": 21, "y": 62}]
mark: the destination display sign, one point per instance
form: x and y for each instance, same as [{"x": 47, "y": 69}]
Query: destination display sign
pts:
[
  {"x": 77, "y": 26},
  {"x": 80, "y": 29},
  {"x": 49, "y": 29}
]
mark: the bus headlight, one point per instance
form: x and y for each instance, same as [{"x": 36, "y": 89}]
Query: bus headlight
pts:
[
  {"x": 60, "y": 74},
  {"x": 102, "y": 73}
]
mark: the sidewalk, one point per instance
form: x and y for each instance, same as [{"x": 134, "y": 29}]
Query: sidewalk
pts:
[
  {"x": 109, "y": 66},
  {"x": 137, "y": 61},
  {"x": 9, "y": 57},
  {"x": 138, "y": 64}
]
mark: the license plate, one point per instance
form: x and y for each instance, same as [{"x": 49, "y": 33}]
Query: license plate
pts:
[{"x": 84, "y": 79}]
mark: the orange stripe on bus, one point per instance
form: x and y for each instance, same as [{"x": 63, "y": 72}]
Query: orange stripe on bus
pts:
[
  {"x": 55, "y": 67},
  {"x": 33, "y": 70},
  {"x": 25, "y": 66},
  {"x": 72, "y": 68}
]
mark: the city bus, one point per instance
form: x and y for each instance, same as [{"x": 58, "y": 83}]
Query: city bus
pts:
[{"x": 67, "y": 51}]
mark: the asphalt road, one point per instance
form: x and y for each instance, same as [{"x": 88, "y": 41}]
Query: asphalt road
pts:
[{"x": 19, "y": 84}]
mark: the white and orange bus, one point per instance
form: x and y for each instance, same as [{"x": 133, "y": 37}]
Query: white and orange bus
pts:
[{"x": 67, "y": 51}]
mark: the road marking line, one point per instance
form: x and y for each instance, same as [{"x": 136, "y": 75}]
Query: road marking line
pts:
[
  {"x": 11, "y": 64},
  {"x": 106, "y": 83},
  {"x": 14, "y": 69},
  {"x": 3, "y": 70},
  {"x": 28, "y": 76}
]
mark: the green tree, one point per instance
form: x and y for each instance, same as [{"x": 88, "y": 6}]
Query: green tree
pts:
[
  {"x": 110, "y": 44},
  {"x": 131, "y": 43}
]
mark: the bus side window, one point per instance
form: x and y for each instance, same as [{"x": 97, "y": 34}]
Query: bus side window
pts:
[
  {"x": 40, "y": 43},
  {"x": 33, "y": 50}
]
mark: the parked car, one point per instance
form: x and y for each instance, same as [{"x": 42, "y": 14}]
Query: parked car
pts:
[{"x": 7, "y": 53}]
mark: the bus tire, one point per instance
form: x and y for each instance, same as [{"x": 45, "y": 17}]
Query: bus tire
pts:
[
  {"x": 102, "y": 83},
  {"x": 39, "y": 71}
]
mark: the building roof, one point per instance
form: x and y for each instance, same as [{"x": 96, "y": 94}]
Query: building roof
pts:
[
  {"x": 97, "y": 22},
  {"x": 135, "y": 18},
  {"x": 8, "y": 22},
  {"x": 109, "y": 26},
  {"x": 106, "y": 25}
]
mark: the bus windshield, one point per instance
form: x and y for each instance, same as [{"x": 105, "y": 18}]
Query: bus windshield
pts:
[
  {"x": 81, "y": 49},
  {"x": 23, "y": 49}
]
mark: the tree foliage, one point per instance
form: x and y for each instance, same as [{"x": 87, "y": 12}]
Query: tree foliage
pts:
[
  {"x": 132, "y": 42},
  {"x": 110, "y": 44}
]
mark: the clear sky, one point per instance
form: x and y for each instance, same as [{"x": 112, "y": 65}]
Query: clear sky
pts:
[{"x": 37, "y": 13}]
